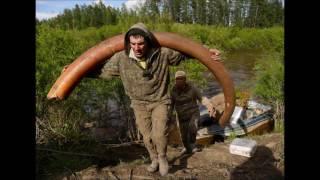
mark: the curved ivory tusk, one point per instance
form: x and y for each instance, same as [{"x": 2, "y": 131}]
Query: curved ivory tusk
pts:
[{"x": 107, "y": 48}]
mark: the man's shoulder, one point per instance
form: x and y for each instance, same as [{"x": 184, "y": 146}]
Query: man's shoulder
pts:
[
  {"x": 191, "y": 86},
  {"x": 120, "y": 54},
  {"x": 166, "y": 50}
]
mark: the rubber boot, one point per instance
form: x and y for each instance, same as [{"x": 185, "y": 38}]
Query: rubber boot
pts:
[
  {"x": 163, "y": 165},
  {"x": 194, "y": 148},
  {"x": 153, "y": 167},
  {"x": 183, "y": 151}
]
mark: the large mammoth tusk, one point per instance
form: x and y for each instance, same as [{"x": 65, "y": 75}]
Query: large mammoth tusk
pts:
[{"x": 107, "y": 48}]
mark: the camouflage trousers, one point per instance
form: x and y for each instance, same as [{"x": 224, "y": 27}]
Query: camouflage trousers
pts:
[
  {"x": 152, "y": 120},
  {"x": 188, "y": 126}
]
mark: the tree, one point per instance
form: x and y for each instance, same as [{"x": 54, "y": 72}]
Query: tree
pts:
[
  {"x": 211, "y": 12},
  {"x": 275, "y": 12},
  {"x": 201, "y": 11},
  {"x": 258, "y": 14},
  {"x": 185, "y": 11},
  {"x": 194, "y": 8},
  {"x": 99, "y": 14},
  {"x": 84, "y": 17},
  {"x": 165, "y": 8},
  {"x": 222, "y": 9},
  {"x": 67, "y": 19},
  {"x": 153, "y": 8},
  {"x": 238, "y": 12},
  {"x": 77, "y": 17},
  {"x": 176, "y": 10}
]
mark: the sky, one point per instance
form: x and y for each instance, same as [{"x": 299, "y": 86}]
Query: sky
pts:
[{"x": 50, "y": 8}]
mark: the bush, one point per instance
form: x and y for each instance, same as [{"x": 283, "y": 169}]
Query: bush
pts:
[
  {"x": 270, "y": 77},
  {"x": 55, "y": 49},
  {"x": 270, "y": 81},
  {"x": 233, "y": 38}
]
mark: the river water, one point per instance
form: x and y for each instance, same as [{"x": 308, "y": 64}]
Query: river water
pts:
[{"x": 239, "y": 64}]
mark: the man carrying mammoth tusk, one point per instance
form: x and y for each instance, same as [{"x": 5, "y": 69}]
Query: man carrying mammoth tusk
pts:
[{"x": 143, "y": 67}]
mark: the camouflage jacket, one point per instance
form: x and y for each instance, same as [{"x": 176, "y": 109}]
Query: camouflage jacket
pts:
[
  {"x": 186, "y": 101},
  {"x": 143, "y": 85}
]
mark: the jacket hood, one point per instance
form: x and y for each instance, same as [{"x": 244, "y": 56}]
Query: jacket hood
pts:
[{"x": 153, "y": 43}]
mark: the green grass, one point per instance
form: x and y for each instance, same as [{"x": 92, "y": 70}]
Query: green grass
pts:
[
  {"x": 142, "y": 160},
  {"x": 232, "y": 136}
]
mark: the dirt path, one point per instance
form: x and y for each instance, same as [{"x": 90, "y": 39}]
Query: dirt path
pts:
[{"x": 213, "y": 162}]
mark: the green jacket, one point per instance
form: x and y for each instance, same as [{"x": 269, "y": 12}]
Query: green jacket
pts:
[
  {"x": 186, "y": 101},
  {"x": 143, "y": 85}
]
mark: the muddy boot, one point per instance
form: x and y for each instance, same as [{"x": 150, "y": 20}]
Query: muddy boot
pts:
[
  {"x": 194, "y": 148},
  {"x": 163, "y": 165},
  {"x": 183, "y": 151},
  {"x": 187, "y": 149},
  {"x": 153, "y": 167}
]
